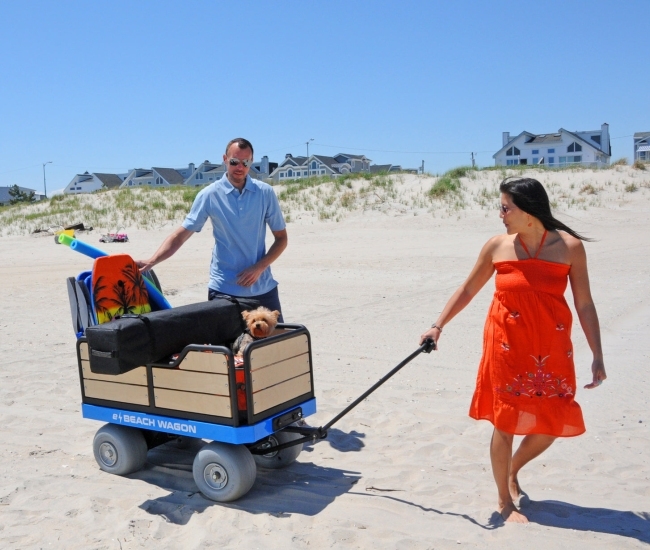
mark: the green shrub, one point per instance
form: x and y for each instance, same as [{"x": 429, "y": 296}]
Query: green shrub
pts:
[
  {"x": 189, "y": 194},
  {"x": 449, "y": 182}
]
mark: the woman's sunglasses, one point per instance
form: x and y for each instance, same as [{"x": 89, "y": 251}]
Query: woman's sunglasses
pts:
[{"x": 237, "y": 162}]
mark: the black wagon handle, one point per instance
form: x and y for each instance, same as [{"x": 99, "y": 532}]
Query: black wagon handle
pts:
[
  {"x": 311, "y": 435},
  {"x": 427, "y": 346}
]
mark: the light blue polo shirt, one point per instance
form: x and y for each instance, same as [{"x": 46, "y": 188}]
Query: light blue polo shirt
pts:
[{"x": 239, "y": 227}]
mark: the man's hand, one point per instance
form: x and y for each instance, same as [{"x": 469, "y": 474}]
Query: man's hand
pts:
[
  {"x": 250, "y": 275},
  {"x": 145, "y": 265}
]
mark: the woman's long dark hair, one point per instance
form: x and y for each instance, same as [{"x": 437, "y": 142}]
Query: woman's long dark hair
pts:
[{"x": 530, "y": 196}]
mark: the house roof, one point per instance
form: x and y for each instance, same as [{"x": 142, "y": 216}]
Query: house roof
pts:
[
  {"x": 297, "y": 161},
  {"x": 374, "y": 168},
  {"x": 143, "y": 173},
  {"x": 546, "y": 138},
  {"x": 109, "y": 180},
  {"x": 350, "y": 156},
  {"x": 215, "y": 168},
  {"x": 173, "y": 177},
  {"x": 641, "y": 135},
  {"x": 327, "y": 161}
]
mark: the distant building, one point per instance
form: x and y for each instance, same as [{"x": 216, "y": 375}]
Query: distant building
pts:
[
  {"x": 5, "y": 197},
  {"x": 319, "y": 165},
  {"x": 87, "y": 183},
  {"x": 206, "y": 173},
  {"x": 556, "y": 150},
  {"x": 642, "y": 146},
  {"x": 379, "y": 168},
  {"x": 156, "y": 177}
]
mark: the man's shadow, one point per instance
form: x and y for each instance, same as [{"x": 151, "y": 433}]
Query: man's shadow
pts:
[{"x": 301, "y": 488}]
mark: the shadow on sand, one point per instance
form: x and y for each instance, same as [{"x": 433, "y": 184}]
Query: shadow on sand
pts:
[
  {"x": 302, "y": 488},
  {"x": 561, "y": 515}
]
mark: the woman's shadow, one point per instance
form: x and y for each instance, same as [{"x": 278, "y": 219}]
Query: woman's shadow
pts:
[{"x": 563, "y": 515}]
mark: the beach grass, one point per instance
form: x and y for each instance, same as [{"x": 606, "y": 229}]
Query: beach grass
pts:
[{"x": 322, "y": 198}]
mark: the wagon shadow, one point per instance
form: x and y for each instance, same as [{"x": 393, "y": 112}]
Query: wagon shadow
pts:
[{"x": 302, "y": 488}]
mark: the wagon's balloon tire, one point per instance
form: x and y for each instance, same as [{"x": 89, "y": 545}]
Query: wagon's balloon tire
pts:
[
  {"x": 224, "y": 472},
  {"x": 282, "y": 458},
  {"x": 120, "y": 450}
]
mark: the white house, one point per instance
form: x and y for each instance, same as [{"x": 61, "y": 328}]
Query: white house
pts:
[
  {"x": 555, "y": 150},
  {"x": 642, "y": 146},
  {"x": 319, "y": 165},
  {"x": 87, "y": 183}
]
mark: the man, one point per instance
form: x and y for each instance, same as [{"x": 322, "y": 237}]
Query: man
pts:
[{"x": 239, "y": 208}]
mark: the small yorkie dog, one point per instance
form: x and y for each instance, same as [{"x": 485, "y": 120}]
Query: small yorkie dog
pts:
[{"x": 260, "y": 323}]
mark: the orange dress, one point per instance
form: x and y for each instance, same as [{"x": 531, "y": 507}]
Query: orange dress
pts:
[{"x": 526, "y": 381}]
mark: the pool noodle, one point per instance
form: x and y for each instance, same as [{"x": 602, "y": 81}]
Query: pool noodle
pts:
[{"x": 84, "y": 248}]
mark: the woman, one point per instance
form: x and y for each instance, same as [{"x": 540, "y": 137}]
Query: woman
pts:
[{"x": 526, "y": 379}]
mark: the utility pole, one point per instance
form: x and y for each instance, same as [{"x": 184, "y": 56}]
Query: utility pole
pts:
[
  {"x": 307, "y": 143},
  {"x": 422, "y": 169},
  {"x": 473, "y": 163},
  {"x": 44, "y": 184}
]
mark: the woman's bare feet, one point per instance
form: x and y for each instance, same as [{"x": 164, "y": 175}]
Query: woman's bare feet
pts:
[{"x": 510, "y": 514}]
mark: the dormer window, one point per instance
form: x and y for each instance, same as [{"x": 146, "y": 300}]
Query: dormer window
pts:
[
  {"x": 596, "y": 139},
  {"x": 574, "y": 148},
  {"x": 513, "y": 152}
]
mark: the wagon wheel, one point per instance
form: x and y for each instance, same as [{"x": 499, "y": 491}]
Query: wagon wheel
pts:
[
  {"x": 282, "y": 458},
  {"x": 224, "y": 472},
  {"x": 119, "y": 450}
]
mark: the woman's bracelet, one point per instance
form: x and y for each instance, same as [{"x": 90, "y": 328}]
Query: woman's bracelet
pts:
[{"x": 436, "y": 326}]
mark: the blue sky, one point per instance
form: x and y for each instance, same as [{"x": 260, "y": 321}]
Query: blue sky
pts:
[{"x": 107, "y": 86}]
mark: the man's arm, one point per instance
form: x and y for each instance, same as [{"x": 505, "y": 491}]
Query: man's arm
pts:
[
  {"x": 167, "y": 249},
  {"x": 251, "y": 274}
]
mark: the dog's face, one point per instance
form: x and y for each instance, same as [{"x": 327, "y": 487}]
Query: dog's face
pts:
[{"x": 261, "y": 321}]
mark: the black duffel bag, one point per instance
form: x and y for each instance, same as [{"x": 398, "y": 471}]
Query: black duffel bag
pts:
[{"x": 134, "y": 340}]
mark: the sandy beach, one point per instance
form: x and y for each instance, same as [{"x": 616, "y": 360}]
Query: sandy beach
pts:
[{"x": 407, "y": 469}]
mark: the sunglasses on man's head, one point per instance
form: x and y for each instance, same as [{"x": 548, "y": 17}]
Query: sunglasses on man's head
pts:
[{"x": 237, "y": 162}]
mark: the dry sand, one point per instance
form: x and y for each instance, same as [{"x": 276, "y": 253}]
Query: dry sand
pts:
[{"x": 406, "y": 469}]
